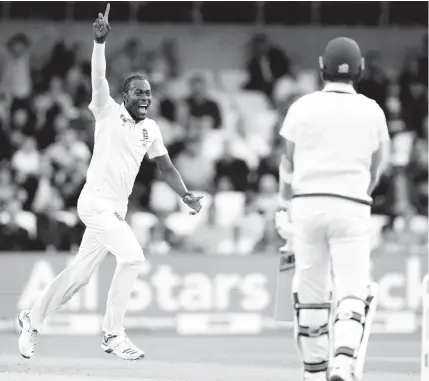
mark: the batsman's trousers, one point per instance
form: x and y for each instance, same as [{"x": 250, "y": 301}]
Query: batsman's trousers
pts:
[{"x": 331, "y": 231}]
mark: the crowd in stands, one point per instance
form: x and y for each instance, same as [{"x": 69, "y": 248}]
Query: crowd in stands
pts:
[{"x": 221, "y": 131}]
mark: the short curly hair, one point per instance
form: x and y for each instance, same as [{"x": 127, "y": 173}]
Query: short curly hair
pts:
[{"x": 132, "y": 77}]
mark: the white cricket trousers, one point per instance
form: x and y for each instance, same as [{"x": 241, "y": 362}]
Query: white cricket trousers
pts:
[
  {"x": 105, "y": 231},
  {"x": 329, "y": 232}
]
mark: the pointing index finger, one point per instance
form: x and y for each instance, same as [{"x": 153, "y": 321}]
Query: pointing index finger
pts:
[{"x": 106, "y": 13}]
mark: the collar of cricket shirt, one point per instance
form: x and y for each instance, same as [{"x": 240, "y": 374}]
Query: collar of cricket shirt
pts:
[
  {"x": 125, "y": 115},
  {"x": 338, "y": 87}
]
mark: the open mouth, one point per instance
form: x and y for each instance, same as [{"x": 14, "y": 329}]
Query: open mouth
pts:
[{"x": 142, "y": 108}]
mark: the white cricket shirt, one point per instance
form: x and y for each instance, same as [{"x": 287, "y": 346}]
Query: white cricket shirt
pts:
[
  {"x": 335, "y": 132},
  {"x": 120, "y": 143},
  {"x": 119, "y": 148}
]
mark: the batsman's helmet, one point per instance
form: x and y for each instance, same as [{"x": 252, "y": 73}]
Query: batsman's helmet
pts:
[{"x": 342, "y": 60}]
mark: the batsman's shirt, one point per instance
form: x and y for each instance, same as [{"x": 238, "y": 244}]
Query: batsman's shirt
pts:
[
  {"x": 335, "y": 131},
  {"x": 120, "y": 143}
]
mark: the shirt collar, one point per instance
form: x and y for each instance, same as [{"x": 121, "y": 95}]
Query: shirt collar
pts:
[
  {"x": 124, "y": 113},
  {"x": 339, "y": 87}
]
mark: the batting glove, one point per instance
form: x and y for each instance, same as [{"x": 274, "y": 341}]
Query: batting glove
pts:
[{"x": 284, "y": 225}]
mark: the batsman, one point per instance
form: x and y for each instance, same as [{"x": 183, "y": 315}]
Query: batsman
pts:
[{"x": 336, "y": 146}]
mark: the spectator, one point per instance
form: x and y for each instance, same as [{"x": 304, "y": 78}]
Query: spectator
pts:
[
  {"x": 269, "y": 165},
  {"x": 58, "y": 64},
  {"x": 413, "y": 95},
  {"x": 418, "y": 172},
  {"x": 266, "y": 65},
  {"x": 10, "y": 190},
  {"x": 46, "y": 191},
  {"x": 70, "y": 182},
  {"x": 233, "y": 169},
  {"x": 67, "y": 150},
  {"x": 158, "y": 244},
  {"x": 423, "y": 60},
  {"x": 199, "y": 105},
  {"x": 13, "y": 236},
  {"x": 53, "y": 234},
  {"x": 6, "y": 148},
  {"x": 129, "y": 59},
  {"x": 22, "y": 121},
  {"x": 171, "y": 57},
  {"x": 155, "y": 67},
  {"x": 57, "y": 95},
  {"x": 26, "y": 164},
  {"x": 48, "y": 123},
  {"x": 172, "y": 132},
  {"x": 78, "y": 77},
  {"x": 26, "y": 161},
  {"x": 16, "y": 71},
  {"x": 266, "y": 204},
  {"x": 266, "y": 201},
  {"x": 374, "y": 83},
  {"x": 167, "y": 106}
]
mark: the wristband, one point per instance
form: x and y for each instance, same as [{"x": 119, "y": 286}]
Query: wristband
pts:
[{"x": 100, "y": 40}]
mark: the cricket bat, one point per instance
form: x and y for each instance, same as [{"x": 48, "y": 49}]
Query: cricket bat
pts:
[
  {"x": 283, "y": 310},
  {"x": 361, "y": 355}
]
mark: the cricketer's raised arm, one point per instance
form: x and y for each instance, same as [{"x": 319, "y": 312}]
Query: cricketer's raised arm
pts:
[
  {"x": 100, "y": 86},
  {"x": 172, "y": 177}
]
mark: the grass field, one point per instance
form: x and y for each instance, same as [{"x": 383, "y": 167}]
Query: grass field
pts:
[{"x": 174, "y": 358}]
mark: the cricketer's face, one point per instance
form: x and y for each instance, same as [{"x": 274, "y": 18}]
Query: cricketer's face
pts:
[{"x": 138, "y": 98}]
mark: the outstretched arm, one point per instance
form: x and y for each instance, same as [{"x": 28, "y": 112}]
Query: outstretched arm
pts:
[
  {"x": 172, "y": 177},
  {"x": 100, "y": 86}
]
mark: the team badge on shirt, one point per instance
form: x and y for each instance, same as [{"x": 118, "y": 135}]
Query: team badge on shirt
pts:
[
  {"x": 145, "y": 138},
  {"x": 118, "y": 216}
]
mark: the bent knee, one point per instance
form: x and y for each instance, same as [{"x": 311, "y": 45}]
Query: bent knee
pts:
[{"x": 135, "y": 258}]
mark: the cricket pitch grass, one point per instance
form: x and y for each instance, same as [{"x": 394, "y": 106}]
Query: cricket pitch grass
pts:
[{"x": 175, "y": 358}]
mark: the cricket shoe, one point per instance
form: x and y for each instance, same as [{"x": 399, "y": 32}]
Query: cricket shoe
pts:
[
  {"x": 121, "y": 346},
  {"x": 319, "y": 376},
  {"x": 341, "y": 374},
  {"x": 28, "y": 335}
]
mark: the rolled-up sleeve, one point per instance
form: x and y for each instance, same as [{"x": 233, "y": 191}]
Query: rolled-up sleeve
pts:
[{"x": 290, "y": 123}]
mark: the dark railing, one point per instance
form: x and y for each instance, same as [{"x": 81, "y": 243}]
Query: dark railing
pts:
[{"x": 364, "y": 13}]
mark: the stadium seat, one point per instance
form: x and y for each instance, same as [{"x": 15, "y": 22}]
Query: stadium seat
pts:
[
  {"x": 232, "y": 80},
  {"x": 402, "y": 144},
  {"x": 141, "y": 223},
  {"x": 208, "y": 75},
  {"x": 248, "y": 101},
  {"x": 378, "y": 221},
  {"x": 229, "y": 208},
  {"x": 419, "y": 224},
  {"x": 182, "y": 224},
  {"x": 162, "y": 198},
  {"x": 308, "y": 81},
  {"x": 177, "y": 88},
  {"x": 27, "y": 221},
  {"x": 67, "y": 217},
  {"x": 262, "y": 123}
]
